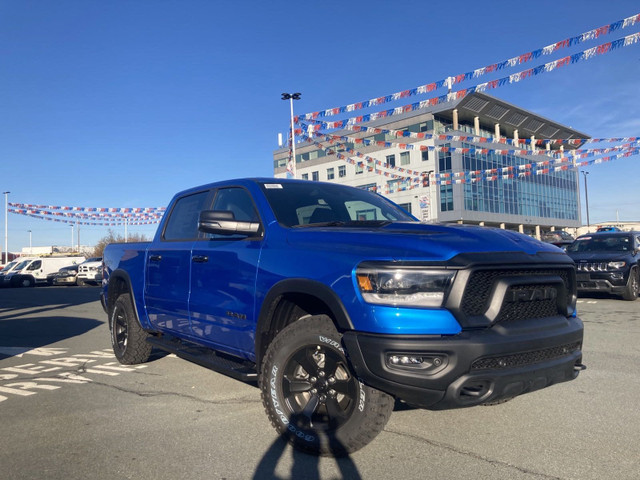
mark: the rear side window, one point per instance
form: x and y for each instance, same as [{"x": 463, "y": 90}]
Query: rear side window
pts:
[{"x": 183, "y": 221}]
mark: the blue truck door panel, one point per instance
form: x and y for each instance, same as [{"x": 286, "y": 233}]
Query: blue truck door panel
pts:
[
  {"x": 223, "y": 274},
  {"x": 167, "y": 286},
  {"x": 169, "y": 265}
]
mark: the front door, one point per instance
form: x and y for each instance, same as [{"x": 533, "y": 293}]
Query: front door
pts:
[{"x": 223, "y": 275}]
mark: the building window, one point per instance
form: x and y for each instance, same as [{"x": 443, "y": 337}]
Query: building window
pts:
[
  {"x": 405, "y": 206},
  {"x": 444, "y": 160},
  {"x": 405, "y": 158},
  {"x": 372, "y": 187},
  {"x": 425, "y": 155},
  {"x": 391, "y": 161},
  {"x": 359, "y": 168},
  {"x": 315, "y": 176},
  {"x": 305, "y": 176},
  {"x": 446, "y": 198},
  {"x": 342, "y": 171},
  {"x": 330, "y": 174}
]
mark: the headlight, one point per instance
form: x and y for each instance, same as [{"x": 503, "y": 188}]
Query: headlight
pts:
[
  {"x": 402, "y": 286},
  {"x": 616, "y": 265}
]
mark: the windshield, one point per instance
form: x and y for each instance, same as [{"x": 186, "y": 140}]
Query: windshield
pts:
[
  {"x": 9, "y": 266},
  {"x": 308, "y": 203},
  {"x": 603, "y": 243},
  {"x": 21, "y": 265}
]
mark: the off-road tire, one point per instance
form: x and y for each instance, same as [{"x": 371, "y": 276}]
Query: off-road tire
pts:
[
  {"x": 128, "y": 339},
  {"x": 312, "y": 396},
  {"x": 631, "y": 290}
]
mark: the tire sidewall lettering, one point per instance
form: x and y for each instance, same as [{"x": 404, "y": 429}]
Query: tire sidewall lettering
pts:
[
  {"x": 331, "y": 342},
  {"x": 278, "y": 410}
]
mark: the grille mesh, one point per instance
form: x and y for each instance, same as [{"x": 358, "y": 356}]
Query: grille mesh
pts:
[
  {"x": 526, "y": 358},
  {"x": 478, "y": 290},
  {"x": 532, "y": 309}
]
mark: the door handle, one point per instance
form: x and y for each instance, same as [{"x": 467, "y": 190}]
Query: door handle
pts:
[
  {"x": 155, "y": 258},
  {"x": 200, "y": 258}
]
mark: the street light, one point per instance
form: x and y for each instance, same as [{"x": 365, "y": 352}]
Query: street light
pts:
[
  {"x": 586, "y": 197},
  {"x": 291, "y": 97},
  {"x": 6, "y": 230}
]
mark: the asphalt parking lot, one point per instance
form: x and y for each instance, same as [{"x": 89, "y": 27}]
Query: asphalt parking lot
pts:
[{"x": 69, "y": 410}]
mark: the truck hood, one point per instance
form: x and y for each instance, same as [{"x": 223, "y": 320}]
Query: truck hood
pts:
[{"x": 417, "y": 241}]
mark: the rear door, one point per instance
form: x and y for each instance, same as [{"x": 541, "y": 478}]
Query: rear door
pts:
[
  {"x": 223, "y": 275},
  {"x": 168, "y": 266}
]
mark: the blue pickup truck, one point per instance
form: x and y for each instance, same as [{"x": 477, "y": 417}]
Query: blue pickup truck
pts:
[{"x": 338, "y": 303}]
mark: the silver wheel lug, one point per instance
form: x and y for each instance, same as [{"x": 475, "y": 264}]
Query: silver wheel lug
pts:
[
  {"x": 314, "y": 391},
  {"x": 323, "y": 398},
  {"x": 313, "y": 379},
  {"x": 321, "y": 373},
  {"x": 331, "y": 380},
  {"x": 332, "y": 392}
]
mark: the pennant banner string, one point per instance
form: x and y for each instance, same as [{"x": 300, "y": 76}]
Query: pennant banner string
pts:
[
  {"x": 455, "y": 79},
  {"x": 310, "y": 129},
  {"x": 493, "y": 84},
  {"x": 537, "y": 168},
  {"x": 92, "y": 209},
  {"x": 75, "y": 222},
  {"x": 477, "y": 150}
]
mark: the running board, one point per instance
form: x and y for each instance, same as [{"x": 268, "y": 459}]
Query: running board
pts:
[{"x": 226, "y": 364}]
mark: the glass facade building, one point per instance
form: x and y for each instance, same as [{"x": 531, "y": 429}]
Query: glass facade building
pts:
[{"x": 530, "y": 203}]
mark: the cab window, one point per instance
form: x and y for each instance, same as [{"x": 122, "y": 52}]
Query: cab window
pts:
[
  {"x": 35, "y": 265},
  {"x": 183, "y": 221}
]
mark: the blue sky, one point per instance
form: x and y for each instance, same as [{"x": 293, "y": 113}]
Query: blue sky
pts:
[{"x": 123, "y": 103}]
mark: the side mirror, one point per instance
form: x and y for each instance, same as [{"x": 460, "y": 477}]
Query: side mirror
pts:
[{"x": 223, "y": 222}]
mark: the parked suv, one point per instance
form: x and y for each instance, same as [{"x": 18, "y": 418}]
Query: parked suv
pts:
[
  {"x": 558, "y": 238},
  {"x": 608, "y": 262}
]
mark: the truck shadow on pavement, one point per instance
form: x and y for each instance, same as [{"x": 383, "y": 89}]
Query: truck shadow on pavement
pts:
[{"x": 18, "y": 335}]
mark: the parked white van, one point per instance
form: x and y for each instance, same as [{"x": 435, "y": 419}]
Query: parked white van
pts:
[
  {"x": 33, "y": 270},
  {"x": 8, "y": 268}
]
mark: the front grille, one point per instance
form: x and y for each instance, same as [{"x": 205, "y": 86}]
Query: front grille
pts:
[
  {"x": 592, "y": 267},
  {"x": 527, "y": 358},
  {"x": 539, "y": 308},
  {"x": 480, "y": 285}
]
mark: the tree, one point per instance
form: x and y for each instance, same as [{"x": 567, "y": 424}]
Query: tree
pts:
[{"x": 113, "y": 237}]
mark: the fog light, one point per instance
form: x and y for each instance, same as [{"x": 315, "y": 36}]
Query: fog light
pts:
[
  {"x": 405, "y": 360},
  {"x": 423, "y": 361}
]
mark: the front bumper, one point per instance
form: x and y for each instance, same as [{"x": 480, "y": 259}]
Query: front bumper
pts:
[
  {"x": 473, "y": 367},
  {"x": 609, "y": 282}
]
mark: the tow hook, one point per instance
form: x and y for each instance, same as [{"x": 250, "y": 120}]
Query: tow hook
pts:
[{"x": 578, "y": 367}]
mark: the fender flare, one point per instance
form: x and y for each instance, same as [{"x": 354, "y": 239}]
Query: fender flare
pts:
[
  {"x": 304, "y": 286},
  {"x": 120, "y": 274}
]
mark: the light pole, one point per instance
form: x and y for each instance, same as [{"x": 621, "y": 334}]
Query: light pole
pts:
[
  {"x": 586, "y": 197},
  {"x": 30, "y": 244},
  {"x": 6, "y": 230},
  {"x": 291, "y": 97}
]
